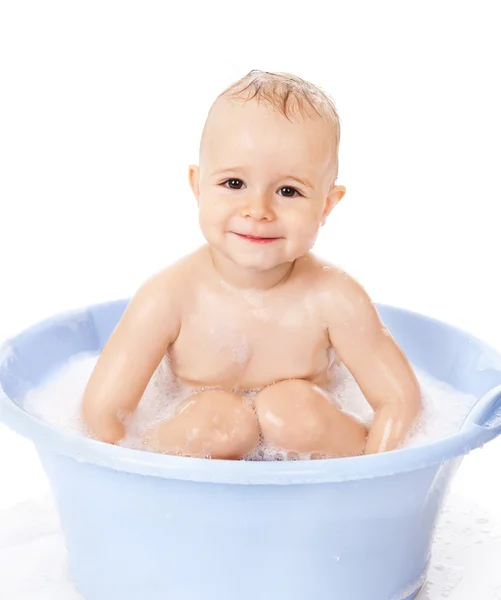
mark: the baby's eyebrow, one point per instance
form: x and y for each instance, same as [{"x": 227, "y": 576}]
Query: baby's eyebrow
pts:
[
  {"x": 304, "y": 182},
  {"x": 226, "y": 170}
]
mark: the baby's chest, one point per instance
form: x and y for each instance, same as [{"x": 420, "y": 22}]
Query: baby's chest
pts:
[{"x": 250, "y": 347}]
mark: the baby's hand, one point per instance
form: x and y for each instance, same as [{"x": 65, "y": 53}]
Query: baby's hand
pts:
[{"x": 375, "y": 360}]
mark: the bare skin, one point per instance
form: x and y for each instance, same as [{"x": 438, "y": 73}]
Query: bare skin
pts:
[{"x": 254, "y": 309}]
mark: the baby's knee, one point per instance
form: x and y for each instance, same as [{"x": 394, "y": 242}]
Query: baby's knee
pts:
[
  {"x": 293, "y": 415},
  {"x": 212, "y": 424}
]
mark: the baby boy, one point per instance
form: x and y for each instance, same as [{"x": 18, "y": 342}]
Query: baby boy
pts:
[{"x": 254, "y": 309}]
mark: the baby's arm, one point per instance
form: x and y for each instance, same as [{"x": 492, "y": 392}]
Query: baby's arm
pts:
[
  {"x": 377, "y": 363},
  {"x": 135, "y": 348}
]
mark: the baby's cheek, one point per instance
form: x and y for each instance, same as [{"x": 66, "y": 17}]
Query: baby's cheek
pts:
[
  {"x": 305, "y": 231},
  {"x": 210, "y": 216}
]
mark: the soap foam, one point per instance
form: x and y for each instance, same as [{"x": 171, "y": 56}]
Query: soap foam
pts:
[{"x": 58, "y": 403}]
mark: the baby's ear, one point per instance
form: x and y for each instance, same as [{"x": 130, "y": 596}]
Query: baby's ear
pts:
[
  {"x": 194, "y": 177},
  {"x": 335, "y": 195}
]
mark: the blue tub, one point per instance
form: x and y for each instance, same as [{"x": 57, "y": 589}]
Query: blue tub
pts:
[{"x": 141, "y": 526}]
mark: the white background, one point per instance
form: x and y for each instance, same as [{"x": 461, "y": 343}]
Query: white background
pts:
[{"x": 101, "y": 108}]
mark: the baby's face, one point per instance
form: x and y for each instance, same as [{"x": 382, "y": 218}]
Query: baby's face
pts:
[{"x": 265, "y": 184}]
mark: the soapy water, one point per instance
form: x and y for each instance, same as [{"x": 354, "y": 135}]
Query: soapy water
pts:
[{"x": 58, "y": 402}]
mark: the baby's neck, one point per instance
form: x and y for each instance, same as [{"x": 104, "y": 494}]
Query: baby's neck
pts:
[{"x": 238, "y": 278}]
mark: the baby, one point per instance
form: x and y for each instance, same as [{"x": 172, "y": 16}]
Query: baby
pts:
[{"x": 253, "y": 309}]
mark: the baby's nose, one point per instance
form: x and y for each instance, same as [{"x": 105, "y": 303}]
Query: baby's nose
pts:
[{"x": 258, "y": 207}]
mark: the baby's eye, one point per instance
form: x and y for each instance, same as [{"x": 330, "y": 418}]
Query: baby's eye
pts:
[
  {"x": 234, "y": 184},
  {"x": 289, "y": 192}
]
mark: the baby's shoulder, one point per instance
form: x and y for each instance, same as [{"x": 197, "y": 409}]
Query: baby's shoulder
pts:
[
  {"x": 169, "y": 287},
  {"x": 177, "y": 275},
  {"x": 336, "y": 288},
  {"x": 329, "y": 275}
]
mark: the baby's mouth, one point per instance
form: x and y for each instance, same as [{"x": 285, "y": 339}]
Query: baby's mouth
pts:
[{"x": 256, "y": 239}]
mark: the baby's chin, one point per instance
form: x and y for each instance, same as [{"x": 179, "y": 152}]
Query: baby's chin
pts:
[{"x": 262, "y": 262}]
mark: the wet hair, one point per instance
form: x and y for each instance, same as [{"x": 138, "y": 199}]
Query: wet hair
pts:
[{"x": 286, "y": 93}]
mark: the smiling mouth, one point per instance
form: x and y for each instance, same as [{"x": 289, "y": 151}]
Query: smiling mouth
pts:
[{"x": 256, "y": 239}]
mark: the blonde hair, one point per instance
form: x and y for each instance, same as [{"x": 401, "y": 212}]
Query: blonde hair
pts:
[{"x": 286, "y": 93}]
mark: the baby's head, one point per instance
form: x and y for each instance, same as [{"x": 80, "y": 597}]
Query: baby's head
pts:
[{"x": 266, "y": 181}]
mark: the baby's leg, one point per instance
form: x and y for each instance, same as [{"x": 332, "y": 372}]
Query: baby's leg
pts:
[
  {"x": 298, "y": 416},
  {"x": 211, "y": 424}
]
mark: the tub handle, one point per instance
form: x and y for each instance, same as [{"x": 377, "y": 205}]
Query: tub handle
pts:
[{"x": 486, "y": 416}]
